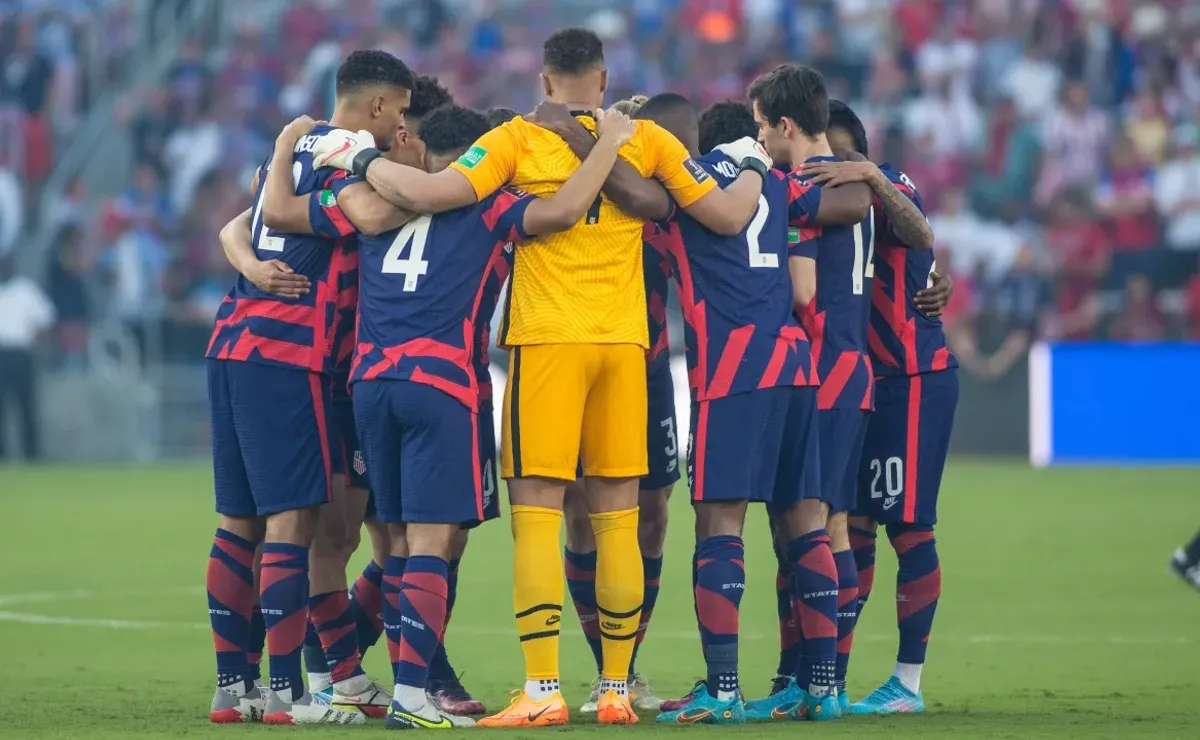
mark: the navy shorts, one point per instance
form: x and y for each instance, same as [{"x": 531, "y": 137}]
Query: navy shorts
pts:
[
  {"x": 348, "y": 458},
  {"x": 755, "y": 446},
  {"x": 842, "y": 433},
  {"x": 904, "y": 453},
  {"x": 270, "y": 437},
  {"x": 430, "y": 460},
  {"x": 662, "y": 441}
]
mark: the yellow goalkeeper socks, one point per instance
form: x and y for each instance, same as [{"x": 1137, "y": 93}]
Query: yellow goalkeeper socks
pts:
[
  {"x": 538, "y": 588},
  {"x": 619, "y": 588}
]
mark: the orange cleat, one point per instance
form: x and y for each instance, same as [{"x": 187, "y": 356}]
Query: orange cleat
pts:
[
  {"x": 525, "y": 712},
  {"x": 614, "y": 709}
]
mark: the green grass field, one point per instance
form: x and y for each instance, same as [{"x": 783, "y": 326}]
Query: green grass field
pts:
[{"x": 1058, "y": 617}]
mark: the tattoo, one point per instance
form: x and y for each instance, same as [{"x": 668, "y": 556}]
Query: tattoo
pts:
[{"x": 908, "y": 223}]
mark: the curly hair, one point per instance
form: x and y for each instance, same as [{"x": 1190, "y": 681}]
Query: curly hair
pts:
[
  {"x": 370, "y": 67},
  {"x": 452, "y": 128}
]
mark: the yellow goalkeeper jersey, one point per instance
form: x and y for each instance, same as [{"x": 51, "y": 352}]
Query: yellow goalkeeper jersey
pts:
[{"x": 583, "y": 285}]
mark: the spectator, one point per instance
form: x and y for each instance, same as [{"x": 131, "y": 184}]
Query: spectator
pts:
[
  {"x": 1148, "y": 127},
  {"x": 986, "y": 249},
  {"x": 146, "y": 201},
  {"x": 1007, "y": 163},
  {"x": 1073, "y": 142},
  {"x": 1032, "y": 81},
  {"x": 133, "y": 264},
  {"x": 25, "y": 313},
  {"x": 12, "y": 210},
  {"x": 1139, "y": 319},
  {"x": 1125, "y": 198},
  {"x": 152, "y": 126},
  {"x": 66, "y": 283},
  {"x": 27, "y": 76},
  {"x": 1079, "y": 251},
  {"x": 1177, "y": 192}
]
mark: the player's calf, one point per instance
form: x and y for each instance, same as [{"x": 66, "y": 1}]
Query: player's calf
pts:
[
  {"x": 445, "y": 688},
  {"x": 231, "y": 602},
  {"x": 653, "y": 513}
]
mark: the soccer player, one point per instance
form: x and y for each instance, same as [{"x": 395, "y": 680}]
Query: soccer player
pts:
[
  {"x": 499, "y": 115},
  {"x": 1186, "y": 563},
  {"x": 908, "y": 435},
  {"x": 575, "y": 318},
  {"x": 269, "y": 365}
]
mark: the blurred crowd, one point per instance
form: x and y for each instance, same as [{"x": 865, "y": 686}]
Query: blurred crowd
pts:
[{"x": 1054, "y": 141}]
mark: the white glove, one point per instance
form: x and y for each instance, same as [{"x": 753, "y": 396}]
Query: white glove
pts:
[
  {"x": 745, "y": 147},
  {"x": 339, "y": 147}
]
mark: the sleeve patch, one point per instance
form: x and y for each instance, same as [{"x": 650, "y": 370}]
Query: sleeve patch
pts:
[
  {"x": 328, "y": 199},
  {"x": 698, "y": 173},
  {"x": 472, "y": 157}
]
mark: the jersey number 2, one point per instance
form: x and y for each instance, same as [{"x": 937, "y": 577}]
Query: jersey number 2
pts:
[
  {"x": 414, "y": 265},
  {"x": 754, "y": 231},
  {"x": 861, "y": 270},
  {"x": 267, "y": 240}
]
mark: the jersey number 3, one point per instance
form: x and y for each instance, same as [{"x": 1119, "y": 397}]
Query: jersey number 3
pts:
[{"x": 414, "y": 265}]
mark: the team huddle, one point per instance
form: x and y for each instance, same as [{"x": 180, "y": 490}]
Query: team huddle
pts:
[{"x": 350, "y": 389}]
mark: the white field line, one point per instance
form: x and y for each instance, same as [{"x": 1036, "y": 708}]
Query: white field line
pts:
[{"x": 467, "y": 629}]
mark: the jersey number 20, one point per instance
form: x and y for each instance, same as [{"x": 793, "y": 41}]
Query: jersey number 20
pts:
[{"x": 414, "y": 265}]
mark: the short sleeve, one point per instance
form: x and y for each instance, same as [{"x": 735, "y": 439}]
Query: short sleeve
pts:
[
  {"x": 804, "y": 200},
  {"x": 670, "y": 164},
  {"x": 325, "y": 216},
  {"x": 491, "y": 162},
  {"x": 505, "y": 216},
  {"x": 803, "y": 241}
]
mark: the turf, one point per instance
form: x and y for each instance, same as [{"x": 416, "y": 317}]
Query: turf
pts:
[{"x": 1058, "y": 620}]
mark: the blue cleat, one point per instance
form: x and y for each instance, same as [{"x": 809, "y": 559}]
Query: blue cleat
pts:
[
  {"x": 818, "y": 708},
  {"x": 784, "y": 698},
  {"x": 843, "y": 703},
  {"x": 891, "y": 698},
  {"x": 706, "y": 709}
]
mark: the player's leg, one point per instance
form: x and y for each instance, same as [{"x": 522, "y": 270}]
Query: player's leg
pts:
[
  {"x": 542, "y": 424},
  {"x": 283, "y": 437},
  {"x": 614, "y": 460},
  {"x": 861, "y": 525},
  {"x": 849, "y": 431},
  {"x": 579, "y": 562},
  {"x": 909, "y": 484},
  {"x": 366, "y": 593},
  {"x": 230, "y": 576},
  {"x": 802, "y": 511},
  {"x": 662, "y": 452},
  {"x": 258, "y": 626},
  {"x": 1186, "y": 563}
]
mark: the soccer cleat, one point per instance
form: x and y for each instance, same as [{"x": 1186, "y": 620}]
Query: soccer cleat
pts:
[
  {"x": 706, "y": 709},
  {"x": 671, "y": 705},
  {"x": 785, "y": 696},
  {"x": 426, "y": 717},
  {"x": 235, "y": 704},
  {"x": 525, "y": 712},
  {"x": 372, "y": 701},
  {"x": 644, "y": 698},
  {"x": 589, "y": 706},
  {"x": 452, "y": 698},
  {"x": 818, "y": 708},
  {"x": 843, "y": 703},
  {"x": 614, "y": 709},
  {"x": 308, "y": 710},
  {"x": 891, "y": 698},
  {"x": 1189, "y": 573}
]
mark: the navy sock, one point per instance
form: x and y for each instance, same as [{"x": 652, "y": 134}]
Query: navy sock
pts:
[
  {"x": 393, "y": 575},
  {"x": 314, "y": 654},
  {"x": 440, "y": 670},
  {"x": 651, "y": 575},
  {"x": 1192, "y": 551},
  {"x": 423, "y": 592},
  {"x": 230, "y": 583},
  {"x": 918, "y": 587},
  {"x": 814, "y": 580},
  {"x": 581, "y": 582},
  {"x": 283, "y": 593},
  {"x": 258, "y": 640},
  {"x": 368, "y": 606},
  {"x": 789, "y": 630},
  {"x": 720, "y": 583},
  {"x": 847, "y": 573}
]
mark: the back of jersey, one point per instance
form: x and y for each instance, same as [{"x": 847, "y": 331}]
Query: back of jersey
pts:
[
  {"x": 736, "y": 295},
  {"x": 837, "y": 318},
  {"x": 422, "y": 295},
  {"x": 259, "y": 327}
]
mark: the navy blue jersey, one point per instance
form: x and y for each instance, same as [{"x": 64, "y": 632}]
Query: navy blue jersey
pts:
[
  {"x": 324, "y": 216},
  {"x": 837, "y": 317},
  {"x": 254, "y": 326},
  {"x": 736, "y": 294},
  {"x": 903, "y": 340},
  {"x": 427, "y": 290},
  {"x": 656, "y": 270}
]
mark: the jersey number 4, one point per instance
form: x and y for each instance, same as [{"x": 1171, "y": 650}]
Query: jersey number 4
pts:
[{"x": 412, "y": 267}]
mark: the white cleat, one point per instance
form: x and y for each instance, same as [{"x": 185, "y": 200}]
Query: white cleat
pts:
[
  {"x": 367, "y": 697},
  {"x": 591, "y": 705},
  {"x": 308, "y": 710},
  {"x": 235, "y": 704},
  {"x": 642, "y": 694}
]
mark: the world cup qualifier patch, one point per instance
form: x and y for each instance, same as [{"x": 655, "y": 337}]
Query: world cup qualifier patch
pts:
[
  {"x": 472, "y": 157},
  {"x": 328, "y": 199},
  {"x": 698, "y": 173}
]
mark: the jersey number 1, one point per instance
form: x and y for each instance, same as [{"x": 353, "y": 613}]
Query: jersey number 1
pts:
[
  {"x": 861, "y": 270},
  {"x": 414, "y": 265}
]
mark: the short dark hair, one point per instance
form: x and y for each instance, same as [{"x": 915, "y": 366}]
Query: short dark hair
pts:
[
  {"x": 840, "y": 116},
  {"x": 726, "y": 122},
  {"x": 369, "y": 67},
  {"x": 795, "y": 92},
  {"x": 499, "y": 115},
  {"x": 572, "y": 51},
  {"x": 428, "y": 94},
  {"x": 663, "y": 103},
  {"x": 451, "y": 128}
]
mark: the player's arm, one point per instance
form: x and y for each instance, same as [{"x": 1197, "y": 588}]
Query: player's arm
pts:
[
  {"x": 370, "y": 212},
  {"x": 638, "y": 196},
  {"x": 725, "y": 211},
  {"x": 282, "y": 209},
  {"x": 907, "y": 221},
  {"x": 567, "y": 206},
  {"x": 802, "y": 265},
  {"x": 269, "y": 276}
]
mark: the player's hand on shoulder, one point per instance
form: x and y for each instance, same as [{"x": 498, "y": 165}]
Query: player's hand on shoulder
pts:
[
  {"x": 292, "y": 132},
  {"x": 743, "y": 148},
  {"x": 554, "y": 117},
  {"x": 832, "y": 174},
  {"x": 613, "y": 124},
  {"x": 277, "y": 278},
  {"x": 932, "y": 301},
  {"x": 339, "y": 147}
]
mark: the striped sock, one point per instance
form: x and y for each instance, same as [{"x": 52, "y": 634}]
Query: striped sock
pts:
[
  {"x": 230, "y": 583},
  {"x": 368, "y": 606},
  {"x": 283, "y": 593},
  {"x": 581, "y": 582},
  {"x": 651, "y": 576},
  {"x": 334, "y": 622},
  {"x": 814, "y": 578},
  {"x": 720, "y": 583},
  {"x": 423, "y": 591},
  {"x": 440, "y": 669},
  {"x": 847, "y": 574},
  {"x": 918, "y": 587},
  {"x": 789, "y": 630}
]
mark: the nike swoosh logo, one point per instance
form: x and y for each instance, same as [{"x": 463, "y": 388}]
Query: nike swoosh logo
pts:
[
  {"x": 691, "y": 718},
  {"x": 540, "y": 712},
  {"x": 345, "y": 145},
  {"x": 421, "y": 720},
  {"x": 778, "y": 713}
]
